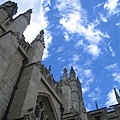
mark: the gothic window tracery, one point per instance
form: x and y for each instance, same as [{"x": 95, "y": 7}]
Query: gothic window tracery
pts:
[{"x": 40, "y": 110}]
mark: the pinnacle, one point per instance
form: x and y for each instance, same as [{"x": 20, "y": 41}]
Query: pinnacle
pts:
[{"x": 72, "y": 70}]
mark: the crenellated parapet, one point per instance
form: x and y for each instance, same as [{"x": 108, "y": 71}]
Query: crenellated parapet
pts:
[{"x": 50, "y": 79}]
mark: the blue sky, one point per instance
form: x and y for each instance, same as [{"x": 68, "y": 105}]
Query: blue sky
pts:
[{"x": 83, "y": 34}]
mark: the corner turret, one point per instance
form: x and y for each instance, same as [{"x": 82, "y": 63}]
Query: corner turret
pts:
[
  {"x": 66, "y": 92},
  {"x": 74, "y": 91}
]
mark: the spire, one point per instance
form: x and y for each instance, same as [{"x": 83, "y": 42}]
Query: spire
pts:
[
  {"x": 65, "y": 77},
  {"x": 49, "y": 69},
  {"x": 72, "y": 72},
  {"x": 96, "y": 105},
  {"x": 117, "y": 96}
]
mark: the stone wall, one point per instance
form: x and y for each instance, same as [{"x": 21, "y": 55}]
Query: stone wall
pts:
[{"x": 10, "y": 62}]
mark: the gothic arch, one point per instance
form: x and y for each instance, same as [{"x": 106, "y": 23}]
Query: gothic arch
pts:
[{"x": 45, "y": 108}]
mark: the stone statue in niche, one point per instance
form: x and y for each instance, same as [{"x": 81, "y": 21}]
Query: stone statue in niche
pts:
[{"x": 10, "y": 8}]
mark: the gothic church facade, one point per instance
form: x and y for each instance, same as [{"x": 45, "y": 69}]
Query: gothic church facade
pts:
[{"x": 28, "y": 91}]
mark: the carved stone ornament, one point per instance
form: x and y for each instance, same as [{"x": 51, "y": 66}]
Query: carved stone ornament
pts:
[
  {"x": 27, "y": 15},
  {"x": 10, "y": 8}
]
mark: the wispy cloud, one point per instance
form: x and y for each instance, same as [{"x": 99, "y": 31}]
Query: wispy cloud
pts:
[
  {"x": 115, "y": 71},
  {"x": 103, "y": 18},
  {"x": 111, "y": 99},
  {"x": 75, "y": 57},
  {"x": 112, "y": 6},
  {"x": 74, "y": 20},
  {"x": 116, "y": 76},
  {"x": 60, "y": 59},
  {"x": 60, "y": 49},
  {"x": 93, "y": 50},
  {"x": 85, "y": 89},
  {"x": 112, "y": 51},
  {"x": 95, "y": 95},
  {"x": 66, "y": 36},
  {"x": 112, "y": 66}
]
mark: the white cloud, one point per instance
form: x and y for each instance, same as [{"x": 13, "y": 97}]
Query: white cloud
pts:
[
  {"x": 103, "y": 18},
  {"x": 60, "y": 59},
  {"x": 95, "y": 95},
  {"x": 112, "y": 7},
  {"x": 116, "y": 76},
  {"x": 79, "y": 43},
  {"x": 112, "y": 51},
  {"x": 117, "y": 24},
  {"x": 93, "y": 50},
  {"x": 75, "y": 57},
  {"x": 88, "y": 73},
  {"x": 85, "y": 89},
  {"x": 74, "y": 20},
  {"x": 111, "y": 67},
  {"x": 111, "y": 99},
  {"x": 89, "y": 81},
  {"x": 100, "y": 4},
  {"x": 60, "y": 49},
  {"x": 48, "y": 41},
  {"x": 88, "y": 107},
  {"x": 67, "y": 38}
]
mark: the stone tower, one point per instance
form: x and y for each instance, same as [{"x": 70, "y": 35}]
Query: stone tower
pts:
[{"x": 72, "y": 96}]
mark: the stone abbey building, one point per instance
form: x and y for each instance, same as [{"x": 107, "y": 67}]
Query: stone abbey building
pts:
[{"x": 27, "y": 89}]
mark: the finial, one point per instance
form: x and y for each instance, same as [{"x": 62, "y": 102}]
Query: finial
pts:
[
  {"x": 72, "y": 70},
  {"x": 65, "y": 77},
  {"x": 96, "y": 105},
  {"x": 49, "y": 68},
  {"x": 52, "y": 75}
]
